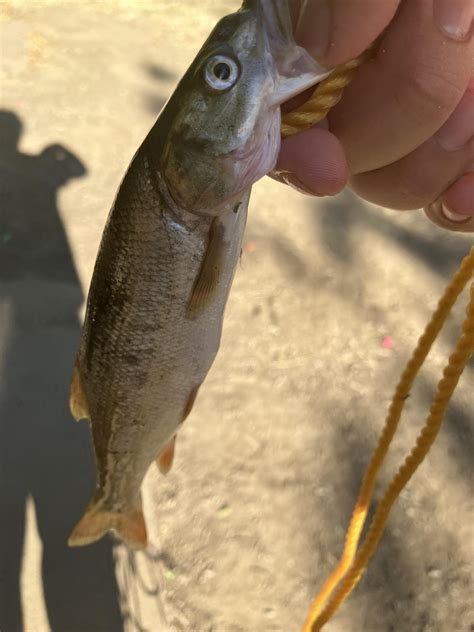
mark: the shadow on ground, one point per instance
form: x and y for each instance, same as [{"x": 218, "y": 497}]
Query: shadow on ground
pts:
[
  {"x": 154, "y": 102},
  {"x": 336, "y": 218},
  {"x": 43, "y": 453}
]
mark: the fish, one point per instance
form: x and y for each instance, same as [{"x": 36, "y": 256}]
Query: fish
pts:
[{"x": 168, "y": 255}]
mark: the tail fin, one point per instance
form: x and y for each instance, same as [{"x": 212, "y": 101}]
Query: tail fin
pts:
[{"x": 96, "y": 522}]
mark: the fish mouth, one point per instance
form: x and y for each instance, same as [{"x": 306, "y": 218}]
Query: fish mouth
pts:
[{"x": 296, "y": 69}]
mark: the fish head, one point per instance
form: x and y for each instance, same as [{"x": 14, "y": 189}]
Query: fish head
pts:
[{"x": 222, "y": 124}]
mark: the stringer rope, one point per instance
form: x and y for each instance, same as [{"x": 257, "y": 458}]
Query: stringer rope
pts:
[
  {"x": 326, "y": 95},
  {"x": 348, "y": 570},
  {"x": 400, "y": 396}
]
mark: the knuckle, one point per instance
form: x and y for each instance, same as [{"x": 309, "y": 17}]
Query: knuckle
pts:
[{"x": 427, "y": 89}]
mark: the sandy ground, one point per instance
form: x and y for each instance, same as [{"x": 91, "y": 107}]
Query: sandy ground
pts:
[{"x": 251, "y": 519}]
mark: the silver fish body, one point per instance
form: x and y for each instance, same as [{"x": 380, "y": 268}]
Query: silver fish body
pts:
[
  {"x": 166, "y": 263},
  {"x": 139, "y": 380}
]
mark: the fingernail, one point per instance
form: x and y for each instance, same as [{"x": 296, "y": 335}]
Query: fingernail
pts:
[
  {"x": 314, "y": 28},
  {"x": 295, "y": 183},
  {"x": 289, "y": 178},
  {"x": 454, "y": 217},
  {"x": 454, "y": 17},
  {"x": 459, "y": 128}
]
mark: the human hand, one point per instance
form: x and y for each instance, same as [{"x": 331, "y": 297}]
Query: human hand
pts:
[{"x": 403, "y": 134}]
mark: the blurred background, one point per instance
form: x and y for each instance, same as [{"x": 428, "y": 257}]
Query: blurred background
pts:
[{"x": 327, "y": 305}]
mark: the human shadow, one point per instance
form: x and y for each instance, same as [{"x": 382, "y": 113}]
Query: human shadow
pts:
[{"x": 44, "y": 455}]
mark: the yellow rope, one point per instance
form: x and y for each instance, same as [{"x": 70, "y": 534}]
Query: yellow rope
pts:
[
  {"x": 348, "y": 570},
  {"x": 352, "y": 564},
  {"x": 391, "y": 423},
  {"x": 451, "y": 374},
  {"x": 327, "y": 93}
]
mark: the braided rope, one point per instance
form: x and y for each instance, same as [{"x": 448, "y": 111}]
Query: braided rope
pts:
[
  {"x": 348, "y": 570},
  {"x": 327, "y": 93}
]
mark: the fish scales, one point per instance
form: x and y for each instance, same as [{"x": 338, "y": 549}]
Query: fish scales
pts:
[{"x": 147, "y": 368}]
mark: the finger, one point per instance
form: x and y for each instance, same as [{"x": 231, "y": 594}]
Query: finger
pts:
[
  {"x": 458, "y": 200},
  {"x": 334, "y": 31},
  {"x": 400, "y": 99},
  {"x": 416, "y": 180},
  {"x": 421, "y": 177},
  {"x": 312, "y": 162},
  {"x": 437, "y": 214}
]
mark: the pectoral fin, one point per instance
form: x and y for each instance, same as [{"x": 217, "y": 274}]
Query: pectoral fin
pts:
[
  {"x": 213, "y": 264},
  {"x": 165, "y": 460},
  {"x": 77, "y": 398}
]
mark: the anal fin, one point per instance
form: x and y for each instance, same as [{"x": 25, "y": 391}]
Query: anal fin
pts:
[
  {"x": 190, "y": 402},
  {"x": 166, "y": 457},
  {"x": 77, "y": 398}
]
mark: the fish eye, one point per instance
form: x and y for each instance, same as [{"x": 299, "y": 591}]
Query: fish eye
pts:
[{"x": 221, "y": 72}]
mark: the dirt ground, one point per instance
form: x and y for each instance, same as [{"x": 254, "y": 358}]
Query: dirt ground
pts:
[{"x": 252, "y": 517}]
